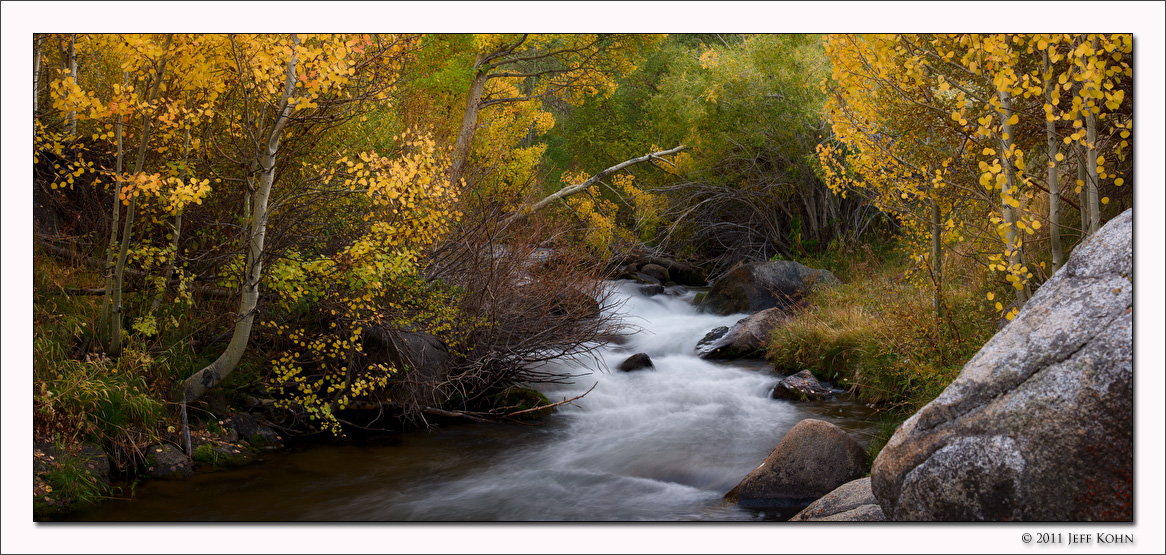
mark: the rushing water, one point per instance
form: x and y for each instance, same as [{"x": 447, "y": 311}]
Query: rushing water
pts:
[{"x": 662, "y": 444}]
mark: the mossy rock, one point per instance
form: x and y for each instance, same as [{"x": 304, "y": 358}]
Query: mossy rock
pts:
[
  {"x": 699, "y": 298},
  {"x": 222, "y": 455},
  {"x": 522, "y": 398}
]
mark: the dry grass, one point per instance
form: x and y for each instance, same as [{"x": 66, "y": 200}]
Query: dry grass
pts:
[{"x": 877, "y": 332}]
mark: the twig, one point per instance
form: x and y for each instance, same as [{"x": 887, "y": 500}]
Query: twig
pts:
[{"x": 552, "y": 405}]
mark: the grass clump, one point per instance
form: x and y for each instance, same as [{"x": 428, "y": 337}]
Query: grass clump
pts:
[{"x": 877, "y": 333}]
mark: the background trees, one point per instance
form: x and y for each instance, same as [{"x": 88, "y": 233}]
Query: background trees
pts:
[
  {"x": 951, "y": 133},
  {"x": 305, "y": 190}
]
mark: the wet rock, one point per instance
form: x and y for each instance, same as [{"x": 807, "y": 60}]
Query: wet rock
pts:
[
  {"x": 760, "y": 285},
  {"x": 711, "y": 337},
  {"x": 657, "y": 272},
  {"x": 222, "y": 455},
  {"x": 802, "y": 386},
  {"x": 1039, "y": 424},
  {"x": 850, "y": 502},
  {"x": 637, "y": 361},
  {"x": 813, "y": 459},
  {"x": 167, "y": 462},
  {"x": 646, "y": 278},
  {"x": 243, "y": 424},
  {"x": 265, "y": 437},
  {"x": 652, "y": 290},
  {"x": 747, "y": 338}
]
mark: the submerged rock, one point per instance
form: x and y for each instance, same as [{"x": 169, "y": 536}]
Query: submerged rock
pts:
[
  {"x": 802, "y": 386},
  {"x": 1039, "y": 424},
  {"x": 813, "y": 458},
  {"x": 760, "y": 285},
  {"x": 850, "y": 502}
]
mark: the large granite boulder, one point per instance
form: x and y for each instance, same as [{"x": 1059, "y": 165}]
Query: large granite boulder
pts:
[
  {"x": 760, "y": 285},
  {"x": 813, "y": 459},
  {"x": 850, "y": 502},
  {"x": 748, "y": 337},
  {"x": 1039, "y": 424}
]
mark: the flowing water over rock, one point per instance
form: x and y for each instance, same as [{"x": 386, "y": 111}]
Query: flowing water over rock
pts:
[{"x": 654, "y": 444}]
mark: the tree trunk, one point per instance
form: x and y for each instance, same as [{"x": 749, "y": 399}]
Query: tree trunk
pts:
[
  {"x": 104, "y": 329},
  {"x": 575, "y": 189},
  {"x": 937, "y": 257},
  {"x": 127, "y": 233},
  {"x": 71, "y": 125},
  {"x": 1054, "y": 172},
  {"x": 208, "y": 377},
  {"x": 36, "y": 74},
  {"x": 1011, "y": 235},
  {"x": 461, "y": 149},
  {"x": 177, "y": 230},
  {"x": 1091, "y": 146}
]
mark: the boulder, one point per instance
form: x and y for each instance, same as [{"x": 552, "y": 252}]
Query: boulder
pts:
[
  {"x": 1039, "y": 424},
  {"x": 637, "y": 361},
  {"x": 244, "y": 425},
  {"x": 813, "y": 459},
  {"x": 802, "y": 386},
  {"x": 748, "y": 337},
  {"x": 167, "y": 462},
  {"x": 423, "y": 361},
  {"x": 850, "y": 502},
  {"x": 760, "y": 285},
  {"x": 656, "y": 272}
]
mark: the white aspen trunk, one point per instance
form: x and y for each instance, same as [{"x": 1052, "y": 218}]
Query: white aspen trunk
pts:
[
  {"x": 1011, "y": 234},
  {"x": 461, "y": 149},
  {"x": 127, "y": 234},
  {"x": 1054, "y": 172},
  {"x": 1091, "y": 139},
  {"x": 575, "y": 189},
  {"x": 72, "y": 120},
  {"x": 212, "y": 374},
  {"x": 36, "y": 74},
  {"x": 104, "y": 331}
]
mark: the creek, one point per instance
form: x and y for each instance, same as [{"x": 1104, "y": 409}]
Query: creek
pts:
[{"x": 661, "y": 444}]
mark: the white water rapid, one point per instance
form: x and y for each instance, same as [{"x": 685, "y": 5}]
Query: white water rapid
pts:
[{"x": 658, "y": 444}]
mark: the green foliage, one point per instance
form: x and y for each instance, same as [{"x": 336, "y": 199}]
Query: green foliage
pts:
[{"x": 66, "y": 484}]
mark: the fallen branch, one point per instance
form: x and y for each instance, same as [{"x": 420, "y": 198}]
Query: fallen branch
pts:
[
  {"x": 575, "y": 189},
  {"x": 552, "y": 405}
]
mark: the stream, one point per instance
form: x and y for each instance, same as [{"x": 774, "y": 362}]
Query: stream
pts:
[{"x": 651, "y": 445}]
